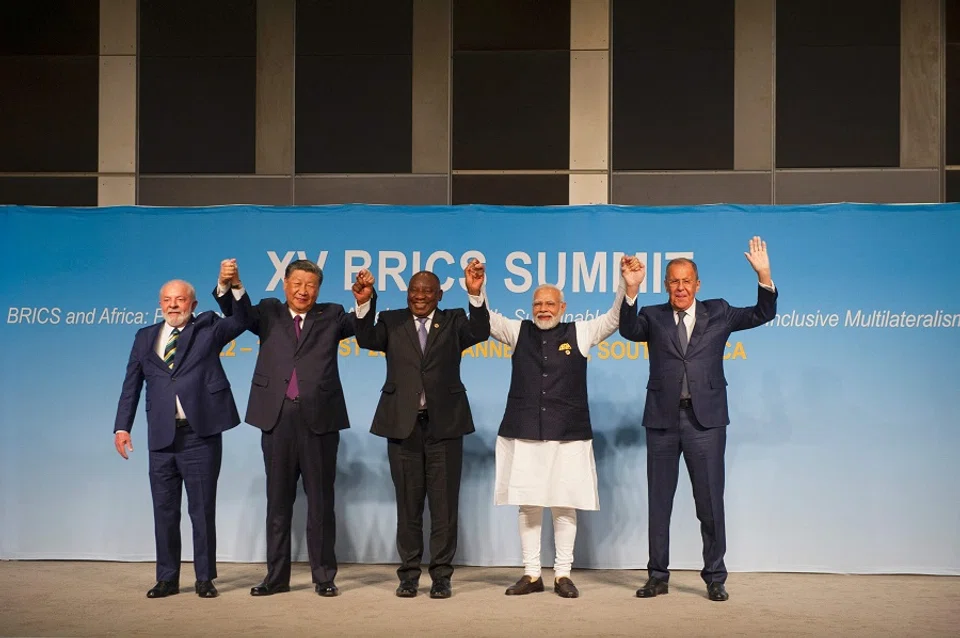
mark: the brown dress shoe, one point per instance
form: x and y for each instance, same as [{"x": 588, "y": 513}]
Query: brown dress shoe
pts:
[
  {"x": 565, "y": 588},
  {"x": 525, "y": 585}
]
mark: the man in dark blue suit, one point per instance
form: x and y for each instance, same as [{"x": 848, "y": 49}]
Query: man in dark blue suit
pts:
[
  {"x": 188, "y": 405},
  {"x": 686, "y": 407}
]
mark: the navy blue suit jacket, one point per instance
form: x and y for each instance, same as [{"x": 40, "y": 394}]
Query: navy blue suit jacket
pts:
[
  {"x": 716, "y": 319},
  {"x": 197, "y": 378}
]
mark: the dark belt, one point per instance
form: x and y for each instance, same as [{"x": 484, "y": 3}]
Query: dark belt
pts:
[
  {"x": 422, "y": 415},
  {"x": 181, "y": 423},
  {"x": 686, "y": 404}
]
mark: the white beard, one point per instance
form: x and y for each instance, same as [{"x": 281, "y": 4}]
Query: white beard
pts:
[{"x": 547, "y": 324}]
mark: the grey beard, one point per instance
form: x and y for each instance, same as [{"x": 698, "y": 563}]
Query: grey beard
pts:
[{"x": 546, "y": 324}]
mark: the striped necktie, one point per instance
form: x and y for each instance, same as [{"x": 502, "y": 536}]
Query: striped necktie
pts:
[{"x": 170, "y": 351}]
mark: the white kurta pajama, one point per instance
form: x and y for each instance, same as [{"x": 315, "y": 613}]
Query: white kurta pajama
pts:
[{"x": 561, "y": 475}]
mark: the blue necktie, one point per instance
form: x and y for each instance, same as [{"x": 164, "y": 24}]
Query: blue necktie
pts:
[{"x": 682, "y": 333}]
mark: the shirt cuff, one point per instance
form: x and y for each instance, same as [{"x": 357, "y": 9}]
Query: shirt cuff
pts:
[
  {"x": 361, "y": 310},
  {"x": 476, "y": 300}
]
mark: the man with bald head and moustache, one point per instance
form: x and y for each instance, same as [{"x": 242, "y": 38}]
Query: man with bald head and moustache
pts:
[{"x": 424, "y": 413}]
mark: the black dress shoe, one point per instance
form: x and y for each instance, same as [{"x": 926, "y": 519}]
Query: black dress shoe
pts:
[
  {"x": 164, "y": 588},
  {"x": 263, "y": 589},
  {"x": 525, "y": 585},
  {"x": 440, "y": 588},
  {"x": 407, "y": 589},
  {"x": 565, "y": 588},
  {"x": 717, "y": 592},
  {"x": 205, "y": 589},
  {"x": 653, "y": 587},
  {"x": 328, "y": 589}
]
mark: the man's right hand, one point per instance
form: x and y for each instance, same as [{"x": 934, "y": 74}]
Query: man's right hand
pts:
[
  {"x": 363, "y": 286},
  {"x": 229, "y": 274},
  {"x": 121, "y": 441}
]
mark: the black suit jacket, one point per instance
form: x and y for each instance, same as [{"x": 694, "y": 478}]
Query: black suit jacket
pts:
[
  {"x": 716, "y": 319},
  {"x": 436, "y": 371},
  {"x": 315, "y": 356}
]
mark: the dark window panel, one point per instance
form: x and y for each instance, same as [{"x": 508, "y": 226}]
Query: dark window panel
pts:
[
  {"x": 512, "y": 190},
  {"x": 953, "y": 186},
  {"x": 673, "y": 110},
  {"x": 49, "y": 121},
  {"x": 511, "y": 110},
  {"x": 354, "y": 114},
  {"x": 952, "y": 19},
  {"x": 838, "y": 107},
  {"x": 197, "y": 115},
  {"x": 952, "y": 83},
  {"x": 198, "y": 28},
  {"x": 837, "y": 23},
  {"x": 214, "y": 191},
  {"x": 48, "y": 191},
  {"x": 369, "y": 27},
  {"x": 654, "y": 24},
  {"x": 510, "y": 25},
  {"x": 50, "y": 27}
]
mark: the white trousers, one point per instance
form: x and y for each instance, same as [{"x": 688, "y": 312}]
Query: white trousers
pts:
[{"x": 564, "y": 535}]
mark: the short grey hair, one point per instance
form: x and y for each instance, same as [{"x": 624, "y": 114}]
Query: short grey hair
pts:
[{"x": 547, "y": 287}]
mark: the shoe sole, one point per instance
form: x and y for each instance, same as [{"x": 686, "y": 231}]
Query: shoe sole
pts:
[{"x": 523, "y": 593}]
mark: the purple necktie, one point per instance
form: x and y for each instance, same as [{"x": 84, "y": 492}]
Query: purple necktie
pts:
[
  {"x": 293, "y": 390},
  {"x": 422, "y": 336}
]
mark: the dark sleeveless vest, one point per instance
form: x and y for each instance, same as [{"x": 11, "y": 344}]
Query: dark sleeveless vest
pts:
[{"x": 548, "y": 387}]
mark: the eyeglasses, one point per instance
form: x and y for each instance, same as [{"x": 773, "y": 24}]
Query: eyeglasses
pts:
[{"x": 673, "y": 283}]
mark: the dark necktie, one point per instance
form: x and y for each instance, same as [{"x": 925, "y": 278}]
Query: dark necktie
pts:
[
  {"x": 170, "y": 350},
  {"x": 682, "y": 334},
  {"x": 293, "y": 389}
]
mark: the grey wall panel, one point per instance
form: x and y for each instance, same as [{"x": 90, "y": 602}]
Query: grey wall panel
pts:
[
  {"x": 896, "y": 186},
  {"x": 413, "y": 190},
  {"x": 675, "y": 189},
  {"x": 213, "y": 191}
]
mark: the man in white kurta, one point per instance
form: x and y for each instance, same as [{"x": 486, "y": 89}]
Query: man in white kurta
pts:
[{"x": 544, "y": 448}]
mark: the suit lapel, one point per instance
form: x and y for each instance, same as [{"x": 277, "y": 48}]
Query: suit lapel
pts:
[
  {"x": 699, "y": 328},
  {"x": 439, "y": 323},
  {"x": 670, "y": 321},
  {"x": 184, "y": 342},
  {"x": 410, "y": 327},
  {"x": 313, "y": 316},
  {"x": 154, "y": 336}
]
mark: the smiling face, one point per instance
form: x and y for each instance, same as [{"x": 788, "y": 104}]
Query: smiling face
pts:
[
  {"x": 423, "y": 294},
  {"x": 682, "y": 283},
  {"x": 177, "y": 302},
  {"x": 548, "y": 307},
  {"x": 301, "y": 288}
]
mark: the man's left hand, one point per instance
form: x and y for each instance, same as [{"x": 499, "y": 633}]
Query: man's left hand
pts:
[{"x": 473, "y": 276}]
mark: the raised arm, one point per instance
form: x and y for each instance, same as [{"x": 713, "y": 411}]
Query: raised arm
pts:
[
  {"x": 477, "y": 328},
  {"x": 633, "y": 326}
]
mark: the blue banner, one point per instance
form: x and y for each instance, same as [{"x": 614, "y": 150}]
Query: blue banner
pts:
[{"x": 845, "y": 426}]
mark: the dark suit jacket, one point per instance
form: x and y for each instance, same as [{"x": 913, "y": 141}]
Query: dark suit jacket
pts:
[
  {"x": 315, "y": 356},
  {"x": 716, "y": 319},
  {"x": 197, "y": 378},
  {"x": 437, "y": 371}
]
